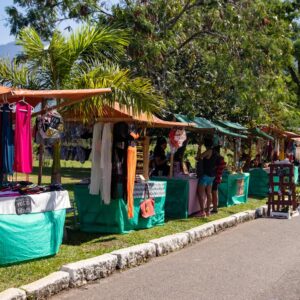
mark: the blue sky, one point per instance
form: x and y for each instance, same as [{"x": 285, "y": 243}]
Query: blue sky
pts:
[{"x": 5, "y": 37}]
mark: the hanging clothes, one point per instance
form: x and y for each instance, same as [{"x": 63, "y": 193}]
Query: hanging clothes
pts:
[
  {"x": 96, "y": 159},
  {"x": 1, "y": 145},
  {"x": 131, "y": 168},
  {"x": 23, "y": 141},
  {"x": 106, "y": 162},
  {"x": 7, "y": 141}
]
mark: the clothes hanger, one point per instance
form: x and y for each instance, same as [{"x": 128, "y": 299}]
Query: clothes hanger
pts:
[
  {"x": 4, "y": 100},
  {"x": 24, "y": 110}
]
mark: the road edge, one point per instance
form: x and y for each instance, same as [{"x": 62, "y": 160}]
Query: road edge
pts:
[{"x": 84, "y": 271}]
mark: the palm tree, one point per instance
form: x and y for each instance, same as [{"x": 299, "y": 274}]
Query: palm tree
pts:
[{"x": 88, "y": 58}]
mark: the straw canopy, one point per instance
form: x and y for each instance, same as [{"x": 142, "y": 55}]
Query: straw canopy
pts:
[
  {"x": 117, "y": 113},
  {"x": 34, "y": 97}
]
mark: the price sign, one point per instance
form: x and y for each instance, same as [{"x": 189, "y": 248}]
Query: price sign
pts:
[{"x": 23, "y": 205}]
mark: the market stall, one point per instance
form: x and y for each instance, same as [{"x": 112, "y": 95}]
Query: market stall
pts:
[
  {"x": 279, "y": 145},
  {"x": 113, "y": 210},
  {"x": 32, "y": 216},
  {"x": 185, "y": 203},
  {"x": 31, "y": 225}
]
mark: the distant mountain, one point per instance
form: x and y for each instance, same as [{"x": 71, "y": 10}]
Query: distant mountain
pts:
[{"x": 9, "y": 50}]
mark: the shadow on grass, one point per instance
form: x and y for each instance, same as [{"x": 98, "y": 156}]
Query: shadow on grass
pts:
[
  {"x": 24, "y": 262},
  {"x": 74, "y": 173},
  {"x": 77, "y": 237}
]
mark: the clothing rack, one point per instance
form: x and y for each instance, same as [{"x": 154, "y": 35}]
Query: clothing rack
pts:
[{"x": 12, "y": 106}]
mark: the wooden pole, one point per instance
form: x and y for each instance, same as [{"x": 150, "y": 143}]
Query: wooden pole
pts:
[
  {"x": 41, "y": 154},
  {"x": 146, "y": 157},
  {"x": 171, "y": 165}
]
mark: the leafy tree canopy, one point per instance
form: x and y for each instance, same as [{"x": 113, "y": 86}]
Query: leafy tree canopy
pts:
[
  {"x": 234, "y": 59},
  {"x": 45, "y": 15}
]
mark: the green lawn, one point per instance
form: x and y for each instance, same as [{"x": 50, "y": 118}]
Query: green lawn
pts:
[{"x": 83, "y": 245}]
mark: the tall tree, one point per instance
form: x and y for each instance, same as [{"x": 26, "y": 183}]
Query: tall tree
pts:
[
  {"x": 45, "y": 15},
  {"x": 85, "y": 59},
  {"x": 216, "y": 58}
]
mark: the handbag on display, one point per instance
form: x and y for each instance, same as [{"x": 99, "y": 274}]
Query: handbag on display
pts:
[{"x": 147, "y": 206}]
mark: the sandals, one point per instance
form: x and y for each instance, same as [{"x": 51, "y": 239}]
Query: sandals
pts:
[{"x": 201, "y": 214}]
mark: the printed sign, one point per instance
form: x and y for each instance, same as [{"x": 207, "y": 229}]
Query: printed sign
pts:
[
  {"x": 23, "y": 205},
  {"x": 240, "y": 187}
]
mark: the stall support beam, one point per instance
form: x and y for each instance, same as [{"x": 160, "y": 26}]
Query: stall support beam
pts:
[
  {"x": 146, "y": 157},
  {"x": 41, "y": 153}
]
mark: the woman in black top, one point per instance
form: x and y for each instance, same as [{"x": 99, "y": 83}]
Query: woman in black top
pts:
[
  {"x": 206, "y": 180},
  {"x": 161, "y": 167}
]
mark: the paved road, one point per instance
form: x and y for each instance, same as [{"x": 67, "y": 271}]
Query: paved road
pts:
[{"x": 256, "y": 260}]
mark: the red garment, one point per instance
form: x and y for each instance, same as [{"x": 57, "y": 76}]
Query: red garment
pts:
[
  {"x": 23, "y": 141},
  {"x": 221, "y": 164}
]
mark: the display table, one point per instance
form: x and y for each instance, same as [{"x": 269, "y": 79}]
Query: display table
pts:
[
  {"x": 95, "y": 216},
  {"x": 233, "y": 189},
  {"x": 259, "y": 181},
  {"x": 32, "y": 235},
  {"x": 181, "y": 199}
]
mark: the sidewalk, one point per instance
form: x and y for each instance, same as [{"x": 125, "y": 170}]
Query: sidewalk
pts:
[{"x": 256, "y": 260}]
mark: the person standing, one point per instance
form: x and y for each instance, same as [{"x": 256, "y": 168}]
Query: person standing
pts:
[
  {"x": 161, "y": 167},
  {"x": 220, "y": 166},
  {"x": 206, "y": 180}
]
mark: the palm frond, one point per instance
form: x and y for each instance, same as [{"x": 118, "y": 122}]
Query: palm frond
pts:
[
  {"x": 33, "y": 48},
  {"x": 16, "y": 75},
  {"x": 101, "y": 42},
  {"x": 136, "y": 94}
]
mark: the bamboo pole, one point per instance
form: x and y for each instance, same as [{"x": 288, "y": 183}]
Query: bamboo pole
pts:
[
  {"x": 41, "y": 154},
  {"x": 146, "y": 157}
]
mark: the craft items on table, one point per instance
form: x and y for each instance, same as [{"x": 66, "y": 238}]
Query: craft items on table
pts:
[{"x": 31, "y": 221}]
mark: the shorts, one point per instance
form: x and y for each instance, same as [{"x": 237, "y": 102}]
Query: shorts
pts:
[{"x": 206, "y": 180}]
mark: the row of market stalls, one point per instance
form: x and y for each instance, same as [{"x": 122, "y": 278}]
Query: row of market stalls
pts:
[{"x": 120, "y": 195}]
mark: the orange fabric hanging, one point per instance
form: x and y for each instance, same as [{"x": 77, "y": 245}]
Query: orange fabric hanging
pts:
[{"x": 131, "y": 168}]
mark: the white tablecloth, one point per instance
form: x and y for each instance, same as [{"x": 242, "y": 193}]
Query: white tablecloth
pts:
[{"x": 39, "y": 202}]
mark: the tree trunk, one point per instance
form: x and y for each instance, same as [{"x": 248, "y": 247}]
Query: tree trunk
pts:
[{"x": 56, "y": 174}]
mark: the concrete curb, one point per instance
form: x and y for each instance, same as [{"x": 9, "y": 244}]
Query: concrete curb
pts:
[
  {"x": 90, "y": 269},
  {"x": 135, "y": 255},
  {"x": 81, "y": 272},
  {"x": 170, "y": 243},
  {"x": 47, "y": 286},
  {"x": 13, "y": 294}
]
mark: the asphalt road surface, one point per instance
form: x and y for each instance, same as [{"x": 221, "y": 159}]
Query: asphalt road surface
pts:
[{"x": 256, "y": 260}]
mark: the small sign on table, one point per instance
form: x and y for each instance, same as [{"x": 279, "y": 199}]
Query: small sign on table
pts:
[{"x": 23, "y": 205}]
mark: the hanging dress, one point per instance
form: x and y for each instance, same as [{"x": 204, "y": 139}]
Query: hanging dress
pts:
[
  {"x": 106, "y": 162},
  {"x": 23, "y": 141},
  {"x": 7, "y": 141},
  {"x": 131, "y": 169},
  {"x": 96, "y": 159}
]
